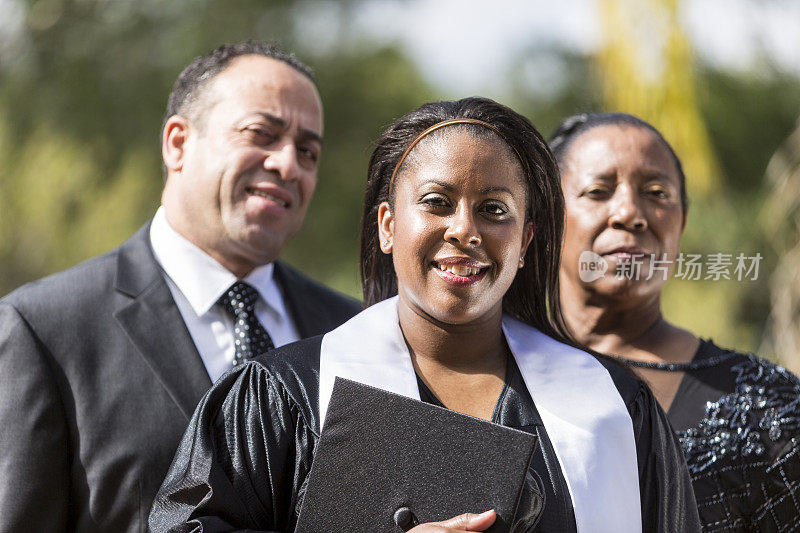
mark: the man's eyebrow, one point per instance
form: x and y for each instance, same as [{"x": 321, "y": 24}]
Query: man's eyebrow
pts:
[
  {"x": 304, "y": 133},
  {"x": 310, "y": 135},
  {"x": 272, "y": 118}
]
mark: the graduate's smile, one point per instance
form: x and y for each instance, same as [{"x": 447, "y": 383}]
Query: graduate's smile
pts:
[{"x": 460, "y": 270}]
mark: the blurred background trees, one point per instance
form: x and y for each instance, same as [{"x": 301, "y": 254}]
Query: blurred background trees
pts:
[{"x": 83, "y": 85}]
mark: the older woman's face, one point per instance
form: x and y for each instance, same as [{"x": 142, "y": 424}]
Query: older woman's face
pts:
[
  {"x": 458, "y": 228},
  {"x": 622, "y": 194}
]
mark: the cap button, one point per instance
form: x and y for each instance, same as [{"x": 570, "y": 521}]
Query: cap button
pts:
[{"x": 404, "y": 518}]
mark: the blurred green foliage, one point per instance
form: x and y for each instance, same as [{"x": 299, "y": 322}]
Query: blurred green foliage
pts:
[
  {"x": 83, "y": 90},
  {"x": 748, "y": 117}
]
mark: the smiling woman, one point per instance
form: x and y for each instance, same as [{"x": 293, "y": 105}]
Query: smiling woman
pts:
[
  {"x": 457, "y": 224},
  {"x": 460, "y": 250}
]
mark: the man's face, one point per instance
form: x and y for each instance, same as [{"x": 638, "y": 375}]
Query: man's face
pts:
[{"x": 248, "y": 163}]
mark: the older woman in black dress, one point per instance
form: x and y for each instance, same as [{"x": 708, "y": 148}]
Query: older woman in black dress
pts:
[
  {"x": 737, "y": 415},
  {"x": 460, "y": 246}
]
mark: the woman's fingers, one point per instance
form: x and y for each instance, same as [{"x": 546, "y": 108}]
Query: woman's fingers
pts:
[
  {"x": 471, "y": 521},
  {"x": 464, "y": 522}
]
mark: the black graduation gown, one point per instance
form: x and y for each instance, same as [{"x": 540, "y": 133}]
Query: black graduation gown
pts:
[{"x": 244, "y": 460}]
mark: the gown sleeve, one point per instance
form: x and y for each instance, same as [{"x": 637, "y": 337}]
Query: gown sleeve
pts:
[
  {"x": 242, "y": 462},
  {"x": 668, "y": 503}
]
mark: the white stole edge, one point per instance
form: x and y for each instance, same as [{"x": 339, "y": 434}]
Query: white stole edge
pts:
[
  {"x": 572, "y": 391},
  {"x": 578, "y": 402},
  {"x": 365, "y": 349}
]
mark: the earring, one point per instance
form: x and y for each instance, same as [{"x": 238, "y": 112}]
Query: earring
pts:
[{"x": 521, "y": 262}]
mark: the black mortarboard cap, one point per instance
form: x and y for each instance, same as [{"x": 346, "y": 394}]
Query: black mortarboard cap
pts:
[{"x": 385, "y": 463}]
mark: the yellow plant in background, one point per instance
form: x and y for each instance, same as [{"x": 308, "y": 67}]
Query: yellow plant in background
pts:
[{"x": 646, "y": 69}]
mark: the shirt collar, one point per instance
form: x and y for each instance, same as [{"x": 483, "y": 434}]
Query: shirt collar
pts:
[
  {"x": 263, "y": 279},
  {"x": 200, "y": 278}
]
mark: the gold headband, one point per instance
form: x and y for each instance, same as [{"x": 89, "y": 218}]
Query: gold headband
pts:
[{"x": 441, "y": 125}]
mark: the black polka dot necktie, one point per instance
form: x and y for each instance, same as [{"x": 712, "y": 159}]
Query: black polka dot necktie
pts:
[{"x": 249, "y": 336}]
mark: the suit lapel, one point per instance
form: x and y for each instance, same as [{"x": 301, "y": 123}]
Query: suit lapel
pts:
[{"x": 154, "y": 324}]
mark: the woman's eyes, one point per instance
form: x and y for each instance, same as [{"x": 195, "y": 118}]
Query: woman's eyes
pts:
[
  {"x": 494, "y": 208},
  {"x": 596, "y": 191},
  {"x": 658, "y": 192},
  {"x": 600, "y": 192},
  {"x": 435, "y": 200}
]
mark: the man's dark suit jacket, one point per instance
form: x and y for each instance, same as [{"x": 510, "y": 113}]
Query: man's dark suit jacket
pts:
[{"x": 98, "y": 380}]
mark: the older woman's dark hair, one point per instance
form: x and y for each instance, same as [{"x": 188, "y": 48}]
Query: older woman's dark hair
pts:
[
  {"x": 572, "y": 127},
  {"x": 533, "y": 295}
]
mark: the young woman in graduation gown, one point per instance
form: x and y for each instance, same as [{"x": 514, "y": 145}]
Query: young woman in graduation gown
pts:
[
  {"x": 460, "y": 245},
  {"x": 737, "y": 415}
]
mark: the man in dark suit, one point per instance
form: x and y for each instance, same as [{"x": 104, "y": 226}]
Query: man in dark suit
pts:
[{"x": 101, "y": 366}]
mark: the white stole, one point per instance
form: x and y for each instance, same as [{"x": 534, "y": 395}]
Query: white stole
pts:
[{"x": 582, "y": 411}]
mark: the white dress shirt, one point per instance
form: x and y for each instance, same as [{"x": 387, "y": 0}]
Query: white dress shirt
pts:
[{"x": 197, "y": 281}]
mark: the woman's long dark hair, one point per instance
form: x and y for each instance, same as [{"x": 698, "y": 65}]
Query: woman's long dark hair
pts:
[{"x": 533, "y": 295}]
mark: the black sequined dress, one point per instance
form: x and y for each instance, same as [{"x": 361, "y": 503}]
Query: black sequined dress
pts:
[{"x": 738, "y": 419}]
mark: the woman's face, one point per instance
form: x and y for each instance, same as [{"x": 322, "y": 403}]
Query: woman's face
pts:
[
  {"x": 458, "y": 229},
  {"x": 622, "y": 194}
]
